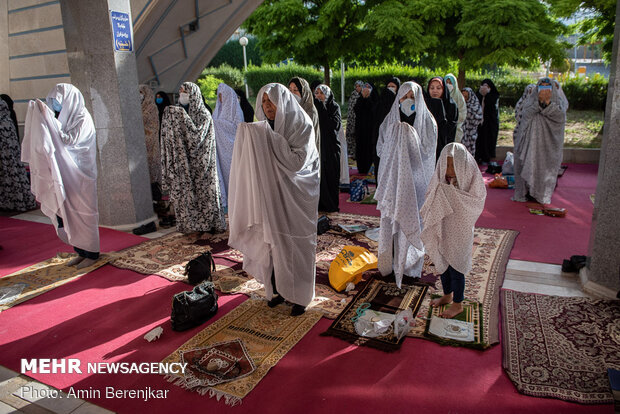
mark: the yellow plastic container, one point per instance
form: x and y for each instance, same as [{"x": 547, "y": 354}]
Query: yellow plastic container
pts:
[{"x": 349, "y": 265}]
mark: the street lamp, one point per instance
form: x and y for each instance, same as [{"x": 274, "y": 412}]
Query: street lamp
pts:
[{"x": 243, "y": 41}]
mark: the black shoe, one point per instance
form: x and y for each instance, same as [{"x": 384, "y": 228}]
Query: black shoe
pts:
[
  {"x": 275, "y": 301},
  {"x": 298, "y": 310},
  {"x": 145, "y": 228}
]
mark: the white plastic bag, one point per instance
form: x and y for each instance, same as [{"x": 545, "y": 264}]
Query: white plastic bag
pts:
[
  {"x": 402, "y": 323},
  {"x": 508, "y": 168}
]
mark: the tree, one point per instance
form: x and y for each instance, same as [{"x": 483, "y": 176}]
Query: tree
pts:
[
  {"x": 317, "y": 32},
  {"x": 232, "y": 54},
  {"x": 596, "y": 21},
  {"x": 475, "y": 33}
]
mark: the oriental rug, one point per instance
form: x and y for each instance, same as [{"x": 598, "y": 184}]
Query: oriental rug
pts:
[
  {"x": 560, "y": 347},
  {"x": 39, "y": 278},
  {"x": 383, "y": 297},
  {"x": 267, "y": 335}
]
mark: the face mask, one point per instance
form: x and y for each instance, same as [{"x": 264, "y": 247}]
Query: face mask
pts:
[
  {"x": 393, "y": 89},
  {"x": 56, "y": 106},
  {"x": 450, "y": 87},
  {"x": 407, "y": 107},
  {"x": 184, "y": 98},
  {"x": 141, "y": 98},
  {"x": 544, "y": 87},
  {"x": 159, "y": 100},
  {"x": 297, "y": 98},
  {"x": 483, "y": 90}
]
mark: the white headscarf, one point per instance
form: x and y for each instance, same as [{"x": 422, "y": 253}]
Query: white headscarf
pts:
[
  {"x": 226, "y": 116},
  {"x": 407, "y": 159},
  {"x": 449, "y": 213},
  {"x": 273, "y": 197}
]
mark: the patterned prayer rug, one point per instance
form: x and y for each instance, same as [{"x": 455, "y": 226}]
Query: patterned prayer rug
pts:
[
  {"x": 382, "y": 297},
  {"x": 472, "y": 312},
  {"x": 267, "y": 335},
  {"x": 560, "y": 347},
  {"x": 39, "y": 278},
  {"x": 166, "y": 256}
]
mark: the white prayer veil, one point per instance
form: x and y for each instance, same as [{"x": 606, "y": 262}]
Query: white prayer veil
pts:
[
  {"x": 450, "y": 213},
  {"x": 273, "y": 197}
]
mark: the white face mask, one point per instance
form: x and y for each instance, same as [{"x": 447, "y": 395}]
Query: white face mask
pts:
[
  {"x": 297, "y": 98},
  {"x": 407, "y": 107},
  {"x": 450, "y": 87},
  {"x": 393, "y": 89},
  {"x": 184, "y": 98}
]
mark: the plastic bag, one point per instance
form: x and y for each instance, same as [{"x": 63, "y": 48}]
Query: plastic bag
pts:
[
  {"x": 402, "y": 323},
  {"x": 508, "y": 168},
  {"x": 349, "y": 265}
]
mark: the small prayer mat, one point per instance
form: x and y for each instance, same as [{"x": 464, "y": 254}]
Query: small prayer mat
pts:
[
  {"x": 267, "y": 334},
  {"x": 560, "y": 347},
  {"x": 216, "y": 364},
  {"x": 382, "y": 297},
  {"x": 42, "y": 277},
  {"x": 472, "y": 312}
]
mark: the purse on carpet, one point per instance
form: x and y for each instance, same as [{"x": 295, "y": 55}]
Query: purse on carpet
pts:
[
  {"x": 194, "y": 307},
  {"x": 200, "y": 268},
  {"x": 359, "y": 190}
]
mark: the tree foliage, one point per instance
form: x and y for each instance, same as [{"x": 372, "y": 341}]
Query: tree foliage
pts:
[
  {"x": 475, "y": 33},
  {"x": 596, "y": 20},
  {"x": 317, "y": 32},
  {"x": 232, "y": 54}
]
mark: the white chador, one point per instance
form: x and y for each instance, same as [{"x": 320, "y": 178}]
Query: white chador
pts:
[
  {"x": 62, "y": 157},
  {"x": 407, "y": 161},
  {"x": 226, "y": 117},
  {"x": 273, "y": 197},
  {"x": 450, "y": 211}
]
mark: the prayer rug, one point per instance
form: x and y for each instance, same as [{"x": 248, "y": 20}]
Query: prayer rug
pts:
[
  {"x": 560, "y": 347},
  {"x": 382, "y": 297},
  {"x": 472, "y": 312},
  {"x": 267, "y": 335},
  {"x": 39, "y": 278}
]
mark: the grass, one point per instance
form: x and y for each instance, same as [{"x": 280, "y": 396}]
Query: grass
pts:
[{"x": 584, "y": 129}]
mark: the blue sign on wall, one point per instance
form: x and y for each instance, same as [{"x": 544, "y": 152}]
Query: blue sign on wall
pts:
[{"x": 121, "y": 31}]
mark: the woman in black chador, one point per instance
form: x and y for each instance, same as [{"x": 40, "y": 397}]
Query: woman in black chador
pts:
[
  {"x": 444, "y": 110},
  {"x": 329, "y": 123},
  {"x": 489, "y": 128},
  {"x": 365, "y": 107},
  {"x": 388, "y": 94}
]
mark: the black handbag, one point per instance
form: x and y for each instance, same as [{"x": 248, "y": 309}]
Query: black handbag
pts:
[
  {"x": 322, "y": 225},
  {"x": 194, "y": 307},
  {"x": 200, "y": 268}
]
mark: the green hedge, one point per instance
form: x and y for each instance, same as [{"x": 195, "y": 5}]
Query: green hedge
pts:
[
  {"x": 581, "y": 93},
  {"x": 259, "y": 76},
  {"x": 233, "y": 77}
]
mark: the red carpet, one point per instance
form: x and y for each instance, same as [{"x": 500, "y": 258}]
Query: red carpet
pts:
[
  {"x": 541, "y": 238},
  {"x": 25, "y": 243},
  {"x": 103, "y": 316}
]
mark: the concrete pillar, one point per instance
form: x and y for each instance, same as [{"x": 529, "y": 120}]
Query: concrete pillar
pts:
[
  {"x": 601, "y": 275},
  {"x": 4, "y": 47},
  {"x": 109, "y": 82}
]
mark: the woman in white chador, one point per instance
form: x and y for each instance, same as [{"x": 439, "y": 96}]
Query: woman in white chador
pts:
[
  {"x": 273, "y": 197},
  {"x": 454, "y": 201},
  {"x": 60, "y": 146},
  {"x": 406, "y": 145},
  {"x": 226, "y": 117}
]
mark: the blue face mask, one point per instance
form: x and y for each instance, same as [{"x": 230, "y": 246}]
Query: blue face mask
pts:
[
  {"x": 544, "y": 87},
  {"x": 159, "y": 100},
  {"x": 56, "y": 106}
]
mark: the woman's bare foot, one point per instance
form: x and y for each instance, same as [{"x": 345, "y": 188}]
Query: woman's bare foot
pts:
[
  {"x": 86, "y": 262},
  {"x": 75, "y": 260},
  {"x": 452, "y": 311},
  {"x": 444, "y": 300}
]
